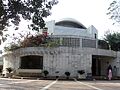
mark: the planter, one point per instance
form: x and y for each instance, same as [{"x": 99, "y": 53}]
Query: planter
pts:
[
  {"x": 9, "y": 75},
  {"x": 81, "y": 76}
]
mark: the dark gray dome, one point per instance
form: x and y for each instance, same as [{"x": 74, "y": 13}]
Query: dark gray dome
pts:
[{"x": 68, "y": 22}]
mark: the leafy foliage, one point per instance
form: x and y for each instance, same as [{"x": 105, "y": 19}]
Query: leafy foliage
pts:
[
  {"x": 52, "y": 43},
  {"x": 33, "y": 41},
  {"x": 45, "y": 72},
  {"x": 12, "y": 47},
  {"x": 113, "y": 40},
  {"x": 102, "y": 44},
  {"x": 39, "y": 40},
  {"x": 67, "y": 74},
  {"x": 81, "y": 72},
  {"x": 11, "y": 11},
  {"x": 114, "y": 11},
  {"x": 9, "y": 69}
]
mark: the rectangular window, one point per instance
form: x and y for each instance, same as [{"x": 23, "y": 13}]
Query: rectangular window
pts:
[{"x": 32, "y": 62}]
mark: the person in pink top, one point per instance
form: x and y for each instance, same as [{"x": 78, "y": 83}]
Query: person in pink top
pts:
[{"x": 110, "y": 74}]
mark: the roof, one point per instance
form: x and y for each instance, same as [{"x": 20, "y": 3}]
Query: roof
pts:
[{"x": 69, "y": 22}]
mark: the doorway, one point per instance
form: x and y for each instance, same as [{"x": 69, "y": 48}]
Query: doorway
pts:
[
  {"x": 96, "y": 66},
  {"x": 100, "y": 64}
]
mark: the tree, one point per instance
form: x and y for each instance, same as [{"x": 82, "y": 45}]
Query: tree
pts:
[
  {"x": 113, "y": 39},
  {"x": 114, "y": 11},
  {"x": 102, "y": 44},
  {"x": 11, "y": 11}
]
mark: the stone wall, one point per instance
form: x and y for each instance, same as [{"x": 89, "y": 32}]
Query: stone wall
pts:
[
  {"x": 60, "y": 59},
  {"x": 67, "y": 62}
]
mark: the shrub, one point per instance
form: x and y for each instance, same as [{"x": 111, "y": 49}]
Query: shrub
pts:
[
  {"x": 81, "y": 72},
  {"x": 45, "y": 72},
  {"x": 11, "y": 47},
  {"x": 67, "y": 74},
  {"x": 9, "y": 69}
]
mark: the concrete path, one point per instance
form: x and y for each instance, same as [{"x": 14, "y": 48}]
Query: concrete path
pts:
[{"x": 24, "y": 84}]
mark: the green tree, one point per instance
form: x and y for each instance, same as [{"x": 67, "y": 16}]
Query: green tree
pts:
[
  {"x": 113, "y": 39},
  {"x": 11, "y": 11},
  {"x": 102, "y": 44},
  {"x": 114, "y": 11}
]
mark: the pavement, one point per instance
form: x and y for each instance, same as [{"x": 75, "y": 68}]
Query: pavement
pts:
[{"x": 27, "y": 84}]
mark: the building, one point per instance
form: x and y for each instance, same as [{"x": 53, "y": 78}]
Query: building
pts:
[
  {"x": 78, "y": 50},
  {"x": 1, "y": 60}
]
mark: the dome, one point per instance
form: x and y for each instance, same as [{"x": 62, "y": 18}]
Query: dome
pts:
[{"x": 69, "y": 22}]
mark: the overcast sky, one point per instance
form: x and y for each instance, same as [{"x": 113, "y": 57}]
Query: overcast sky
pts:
[{"x": 88, "y": 12}]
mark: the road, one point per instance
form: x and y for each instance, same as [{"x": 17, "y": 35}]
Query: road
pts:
[{"x": 25, "y": 84}]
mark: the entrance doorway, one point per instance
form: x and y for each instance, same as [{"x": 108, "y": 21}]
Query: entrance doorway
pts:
[
  {"x": 100, "y": 64},
  {"x": 96, "y": 66}
]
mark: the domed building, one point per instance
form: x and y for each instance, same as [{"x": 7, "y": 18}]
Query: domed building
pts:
[{"x": 78, "y": 50}]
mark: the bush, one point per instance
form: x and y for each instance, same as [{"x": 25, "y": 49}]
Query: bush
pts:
[
  {"x": 67, "y": 74},
  {"x": 11, "y": 47},
  {"x": 45, "y": 72},
  {"x": 9, "y": 69},
  {"x": 81, "y": 72}
]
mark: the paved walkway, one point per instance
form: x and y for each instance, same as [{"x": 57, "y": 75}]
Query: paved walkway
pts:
[{"x": 24, "y": 84}]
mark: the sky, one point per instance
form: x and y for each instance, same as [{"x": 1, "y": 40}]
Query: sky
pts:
[{"x": 87, "y": 12}]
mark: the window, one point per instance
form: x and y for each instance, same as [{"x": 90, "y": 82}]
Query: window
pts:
[
  {"x": 32, "y": 62},
  {"x": 95, "y": 35}
]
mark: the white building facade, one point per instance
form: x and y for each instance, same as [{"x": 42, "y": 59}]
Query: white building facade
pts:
[{"x": 78, "y": 50}]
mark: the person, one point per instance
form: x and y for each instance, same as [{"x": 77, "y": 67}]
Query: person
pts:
[
  {"x": 109, "y": 71},
  {"x": 109, "y": 67},
  {"x": 114, "y": 71},
  {"x": 110, "y": 74}
]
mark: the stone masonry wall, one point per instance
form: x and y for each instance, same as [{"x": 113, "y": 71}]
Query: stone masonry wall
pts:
[{"x": 60, "y": 59}]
